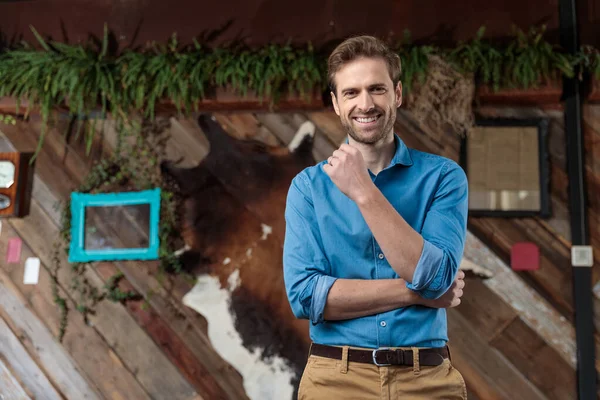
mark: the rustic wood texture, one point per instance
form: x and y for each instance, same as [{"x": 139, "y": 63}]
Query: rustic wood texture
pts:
[
  {"x": 528, "y": 352},
  {"x": 163, "y": 334},
  {"x": 167, "y": 301},
  {"x": 165, "y": 330},
  {"x": 495, "y": 374},
  {"x": 489, "y": 317},
  {"x": 555, "y": 282},
  {"x": 538, "y": 313},
  {"x": 92, "y": 354},
  {"x": 84, "y": 344},
  {"x": 55, "y": 361},
  {"x": 9, "y": 386},
  {"x": 17, "y": 365},
  {"x": 174, "y": 347},
  {"x": 212, "y": 377},
  {"x": 505, "y": 329},
  {"x": 136, "y": 349}
]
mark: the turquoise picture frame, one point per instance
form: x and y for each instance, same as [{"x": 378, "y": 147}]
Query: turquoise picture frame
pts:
[{"x": 79, "y": 203}]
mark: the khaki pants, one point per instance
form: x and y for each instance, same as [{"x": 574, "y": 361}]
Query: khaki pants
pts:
[{"x": 330, "y": 379}]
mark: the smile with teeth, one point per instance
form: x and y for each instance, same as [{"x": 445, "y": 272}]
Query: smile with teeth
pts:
[{"x": 367, "y": 120}]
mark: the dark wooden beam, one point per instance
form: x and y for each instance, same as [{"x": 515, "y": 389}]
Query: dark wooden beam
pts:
[{"x": 582, "y": 276}]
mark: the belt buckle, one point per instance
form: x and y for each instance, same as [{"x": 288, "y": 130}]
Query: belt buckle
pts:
[{"x": 375, "y": 357}]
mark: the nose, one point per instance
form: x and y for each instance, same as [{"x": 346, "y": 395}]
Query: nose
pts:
[{"x": 365, "y": 103}]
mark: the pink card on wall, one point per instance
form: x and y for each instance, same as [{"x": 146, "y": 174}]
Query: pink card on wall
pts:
[{"x": 13, "y": 253}]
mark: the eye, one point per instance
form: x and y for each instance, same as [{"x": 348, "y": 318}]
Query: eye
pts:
[
  {"x": 350, "y": 93},
  {"x": 378, "y": 90}
]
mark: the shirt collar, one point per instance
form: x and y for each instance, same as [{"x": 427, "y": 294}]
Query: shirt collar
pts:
[{"x": 402, "y": 154}]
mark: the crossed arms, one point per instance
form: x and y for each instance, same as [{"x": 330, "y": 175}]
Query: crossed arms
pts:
[{"x": 426, "y": 262}]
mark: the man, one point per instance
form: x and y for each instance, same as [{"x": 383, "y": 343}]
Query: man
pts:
[{"x": 374, "y": 238}]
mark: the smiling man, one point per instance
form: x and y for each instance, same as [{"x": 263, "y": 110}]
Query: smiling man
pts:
[{"x": 374, "y": 238}]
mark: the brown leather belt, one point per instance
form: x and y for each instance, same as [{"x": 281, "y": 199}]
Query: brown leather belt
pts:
[{"x": 383, "y": 356}]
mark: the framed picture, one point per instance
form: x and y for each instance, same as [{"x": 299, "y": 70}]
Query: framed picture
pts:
[
  {"x": 114, "y": 226},
  {"x": 506, "y": 162}
]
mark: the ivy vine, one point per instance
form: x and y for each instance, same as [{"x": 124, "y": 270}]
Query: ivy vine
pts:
[{"x": 134, "y": 166}]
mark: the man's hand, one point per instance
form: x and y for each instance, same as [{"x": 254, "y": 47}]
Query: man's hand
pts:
[
  {"x": 347, "y": 169},
  {"x": 451, "y": 298}
]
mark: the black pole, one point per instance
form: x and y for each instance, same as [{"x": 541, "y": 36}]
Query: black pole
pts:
[{"x": 582, "y": 276}]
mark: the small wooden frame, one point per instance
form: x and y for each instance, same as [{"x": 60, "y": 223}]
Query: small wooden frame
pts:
[{"x": 80, "y": 201}]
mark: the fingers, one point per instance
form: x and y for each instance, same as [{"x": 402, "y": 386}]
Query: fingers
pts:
[
  {"x": 457, "y": 294},
  {"x": 340, "y": 154},
  {"x": 333, "y": 161},
  {"x": 346, "y": 148},
  {"x": 457, "y": 289}
]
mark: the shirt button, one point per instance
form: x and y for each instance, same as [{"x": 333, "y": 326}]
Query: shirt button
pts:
[
  {"x": 381, "y": 256},
  {"x": 383, "y": 324}
]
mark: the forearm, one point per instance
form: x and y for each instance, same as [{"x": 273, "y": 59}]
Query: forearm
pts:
[
  {"x": 354, "y": 298},
  {"x": 400, "y": 243}
]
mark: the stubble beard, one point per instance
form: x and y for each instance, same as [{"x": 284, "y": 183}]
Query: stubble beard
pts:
[{"x": 381, "y": 133}]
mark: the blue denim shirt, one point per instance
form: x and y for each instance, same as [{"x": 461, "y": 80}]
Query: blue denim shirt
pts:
[{"x": 327, "y": 238}]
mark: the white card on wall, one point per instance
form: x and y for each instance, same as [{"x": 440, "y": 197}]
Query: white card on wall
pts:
[{"x": 32, "y": 271}]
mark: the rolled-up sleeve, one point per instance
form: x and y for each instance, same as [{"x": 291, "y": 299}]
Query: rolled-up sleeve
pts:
[
  {"x": 306, "y": 269},
  {"x": 443, "y": 234}
]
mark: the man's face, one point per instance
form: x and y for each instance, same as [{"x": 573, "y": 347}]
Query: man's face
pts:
[{"x": 366, "y": 99}]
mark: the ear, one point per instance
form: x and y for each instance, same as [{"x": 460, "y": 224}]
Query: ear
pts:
[
  {"x": 399, "y": 94},
  {"x": 336, "y": 107}
]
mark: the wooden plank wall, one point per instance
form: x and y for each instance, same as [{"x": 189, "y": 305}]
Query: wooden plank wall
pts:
[
  {"x": 132, "y": 363},
  {"x": 167, "y": 350},
  {"x": 553, "y": 280},
  {"x": 10, "y": 386}
]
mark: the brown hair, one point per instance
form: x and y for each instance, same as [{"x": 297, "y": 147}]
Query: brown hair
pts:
[{"x": 362, "y": 46}]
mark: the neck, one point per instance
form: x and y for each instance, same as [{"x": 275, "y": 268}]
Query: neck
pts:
[{"x": 378, "y": 155}]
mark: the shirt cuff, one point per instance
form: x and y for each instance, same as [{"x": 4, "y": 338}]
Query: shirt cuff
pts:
[
  {"x": 427, "y": 268},
  {"x": 319, "y": 298}
]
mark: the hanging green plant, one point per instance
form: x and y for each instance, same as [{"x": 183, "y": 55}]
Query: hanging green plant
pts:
[
  {"x": 415, "y": 62},
  {"x": 86, "y": 78},
  {"x": 589, "y": 59},
  {"x": 77, "y": 77},
  {"x": 529, "y": 61},
  {"x": 479, "y": 59}
]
